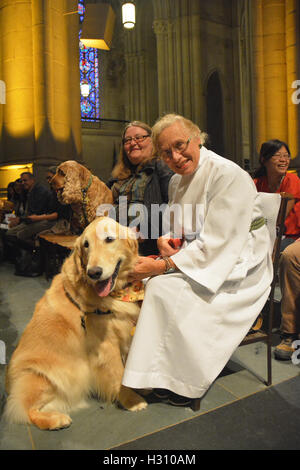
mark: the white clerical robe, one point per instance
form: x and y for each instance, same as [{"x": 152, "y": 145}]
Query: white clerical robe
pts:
[{"x": 192, "y": 321}]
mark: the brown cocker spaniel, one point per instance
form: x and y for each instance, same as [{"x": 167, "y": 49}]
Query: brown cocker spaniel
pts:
[{"x": 77, "y": 186}]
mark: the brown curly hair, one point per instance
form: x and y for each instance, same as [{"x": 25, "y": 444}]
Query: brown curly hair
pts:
[{"x": 123, "y": 168}]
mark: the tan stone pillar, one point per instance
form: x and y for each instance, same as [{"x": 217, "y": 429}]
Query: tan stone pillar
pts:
[
  {"x": 40, "y": 65},
  {"x": 275, "y": 59},
  {"x": 17, "y": 134},
  {"x": 198, "y": 106},
  {"x": 293, "y": 109},
  {"x": 259, "y": 82},
  {"x": 275, "y": 69},
  {"x": 161, "y": 31}
]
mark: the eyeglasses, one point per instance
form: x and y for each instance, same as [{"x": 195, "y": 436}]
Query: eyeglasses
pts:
[
  {"x": 278, "y": 156},
  {"x": 179, "y": 147},
  {"x": 137, "y": 138}
]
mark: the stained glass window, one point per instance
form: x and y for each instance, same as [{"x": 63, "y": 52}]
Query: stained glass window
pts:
[{"x": 89, "y": 75}]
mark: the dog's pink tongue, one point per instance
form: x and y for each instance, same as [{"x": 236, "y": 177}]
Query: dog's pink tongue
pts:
[{"x": 103, "y": 287}]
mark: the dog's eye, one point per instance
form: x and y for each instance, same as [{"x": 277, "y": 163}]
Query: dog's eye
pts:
[
  {"x": 109, "y": 239},
  {"x": 86, "y": 244}
]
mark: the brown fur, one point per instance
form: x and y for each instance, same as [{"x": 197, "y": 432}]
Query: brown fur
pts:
[
  {"x": 70, "y": 179},
  {"x": 59, "y": 363}
]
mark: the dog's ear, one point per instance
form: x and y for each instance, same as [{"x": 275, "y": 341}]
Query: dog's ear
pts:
[
  {"x": 79, "y": 255},
  {"x": 84, "y": 173}
]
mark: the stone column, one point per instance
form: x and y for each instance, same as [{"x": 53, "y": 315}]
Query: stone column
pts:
[
  {"x": 177, "y": 31},
  {"x": 258, "y": 58},
  {"x": 292, "y": 50},
  {"x": 161, "y": 31},
  {"x": 40, "y": 65},
  {"x": 141, "y": 89},
  {"x": 276, "y": 117},
  {"x": 275, "y": 58}
]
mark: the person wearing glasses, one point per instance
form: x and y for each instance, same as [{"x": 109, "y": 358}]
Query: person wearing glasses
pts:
[
  {"x": 140, "y": 182},
  {"x": 202, "y": 297},
  {"x": 272, "y": 177}
]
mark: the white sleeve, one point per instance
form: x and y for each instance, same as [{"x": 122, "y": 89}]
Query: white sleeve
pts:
[{"x": 210, "y": 259}]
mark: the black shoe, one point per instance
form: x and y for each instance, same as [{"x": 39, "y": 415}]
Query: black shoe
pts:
[
  {"x": 179, "y": 400},
  {"x": 161, "y": 393}
]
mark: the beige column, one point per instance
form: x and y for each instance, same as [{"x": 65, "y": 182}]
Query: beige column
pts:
[
  {"x": 16, "y": 71},
  {"x": 293, "y": 109},
  {"x": 275, "y": 58},
  {"x": 171, "y": 66},
  {"x": 161, "y": 31},
  {"x": 259, "y": 82},
  {"x": 185, "y": 72},
  {"x": 40, "y": 65},
  {"x": 276, "y": 116},
  {"x": 198, "y": 111}
]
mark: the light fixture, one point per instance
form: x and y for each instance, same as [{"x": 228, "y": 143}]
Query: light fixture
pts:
[
  {"x": 98, "y": 26},
  {"x": 128, "y": 15},
  {"x": 84, "y": 88}
]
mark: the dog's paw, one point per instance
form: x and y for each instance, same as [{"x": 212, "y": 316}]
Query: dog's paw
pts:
[
  {"x": 131, "y": 400},
  {"x": 139, "y": 406},
  {"x": 49, "y": 420}
]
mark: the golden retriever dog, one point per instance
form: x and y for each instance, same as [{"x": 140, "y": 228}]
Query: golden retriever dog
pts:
[
  {"x": 78, "y": 338},
  {"x": 77, "y": 186}
]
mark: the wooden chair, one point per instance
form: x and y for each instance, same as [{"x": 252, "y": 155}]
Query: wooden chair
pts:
[{"x": 258, "y": 331}]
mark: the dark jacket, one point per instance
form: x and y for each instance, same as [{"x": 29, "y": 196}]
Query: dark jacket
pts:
[
  {"x": 156, "y": 192},
  {"x": 39, "y": 200}
]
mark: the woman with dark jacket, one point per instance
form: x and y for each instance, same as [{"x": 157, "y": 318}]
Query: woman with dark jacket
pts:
[{"x": 139, "y": 184}]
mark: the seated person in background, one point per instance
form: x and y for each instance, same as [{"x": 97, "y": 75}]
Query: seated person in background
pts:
[
  {"x": 19, "y": 198},
  {"x": 289, "y": 276},
  {"x": 7, "y": 205},
  {"x": 272, "y": 177},
  {"x": 39, "y": 214},
  {"x": 141, "y": 178},
  {"x": 202, "y": 299},
  {"x": 14, "y": 206}
]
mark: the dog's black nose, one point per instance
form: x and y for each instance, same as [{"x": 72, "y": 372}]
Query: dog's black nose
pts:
[{"x": 95, "y": 273}]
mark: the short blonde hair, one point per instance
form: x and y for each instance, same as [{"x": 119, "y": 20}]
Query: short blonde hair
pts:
[{"x": 168, "y": 120}]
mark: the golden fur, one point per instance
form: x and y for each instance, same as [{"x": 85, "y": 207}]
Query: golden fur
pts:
[
  {"x": 70, "y": 179},
  {"x": 62, "y": 359}
]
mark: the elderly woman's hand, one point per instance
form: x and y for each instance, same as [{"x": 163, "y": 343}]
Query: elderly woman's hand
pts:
[
  {"x": 147, "y": 267},
  {"x": 165, "y": 247}
]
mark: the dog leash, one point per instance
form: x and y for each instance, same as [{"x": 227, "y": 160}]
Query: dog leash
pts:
[{"x": 97, "y": 311}]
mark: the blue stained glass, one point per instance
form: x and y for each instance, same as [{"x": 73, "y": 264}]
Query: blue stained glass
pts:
[{"x": 88, "y": 65}]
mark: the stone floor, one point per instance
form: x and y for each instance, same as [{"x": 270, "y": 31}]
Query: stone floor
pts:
[{"x": 106, "y": 427}]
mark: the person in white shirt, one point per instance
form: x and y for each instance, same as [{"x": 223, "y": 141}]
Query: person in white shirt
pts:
[{"x": 201, "y": 299}]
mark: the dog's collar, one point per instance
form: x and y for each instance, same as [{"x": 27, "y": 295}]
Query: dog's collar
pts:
[
  {"x": 84, "y": 190},
  {"x": 97, "y": 311}
]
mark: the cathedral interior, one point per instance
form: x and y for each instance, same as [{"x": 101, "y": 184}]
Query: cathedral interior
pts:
[{"x": 232, "y": 67}]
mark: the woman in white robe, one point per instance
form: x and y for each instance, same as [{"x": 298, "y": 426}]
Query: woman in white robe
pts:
[{"x": 193, "y": 319}]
